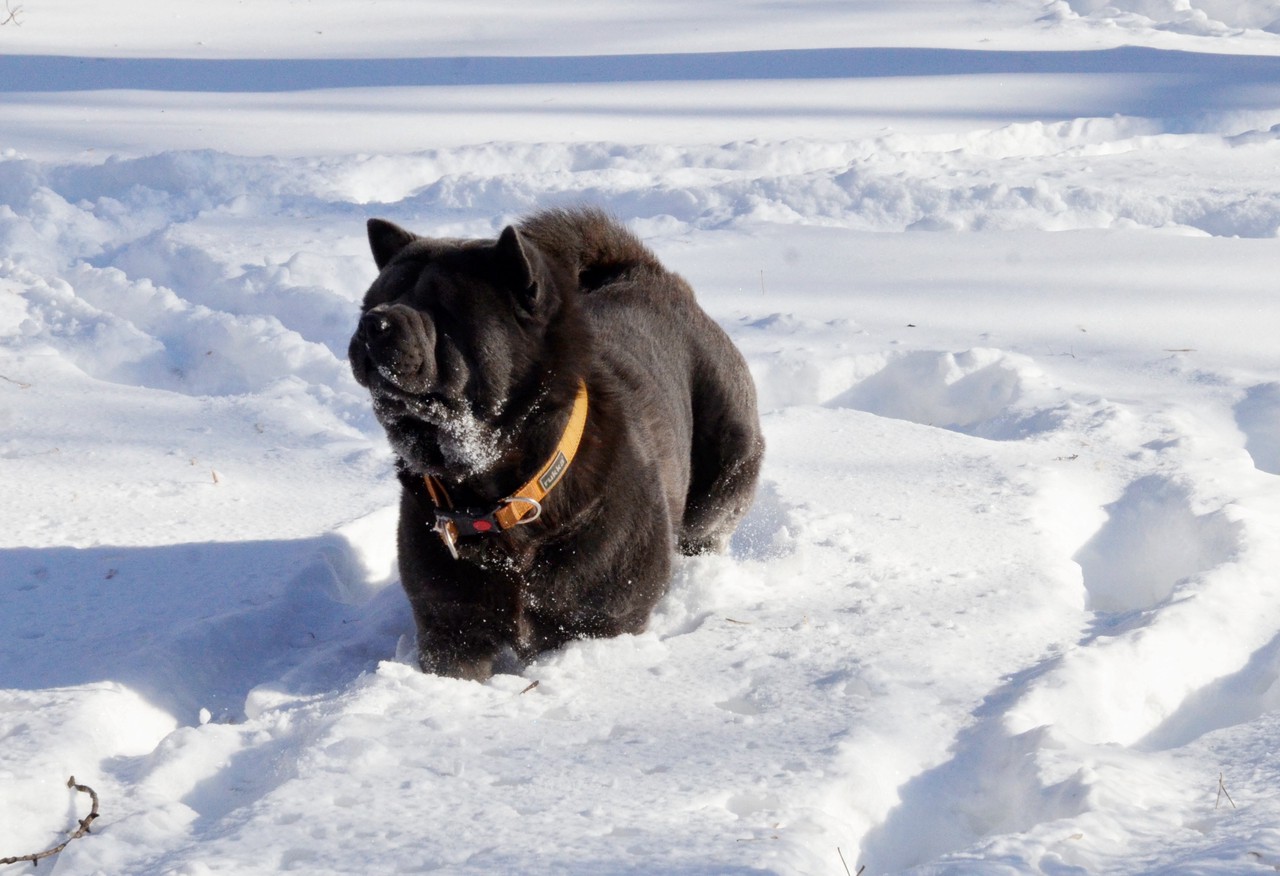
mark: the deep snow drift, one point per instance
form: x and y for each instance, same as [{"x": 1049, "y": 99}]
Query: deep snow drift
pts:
[{"x": 1004, "y": 274}]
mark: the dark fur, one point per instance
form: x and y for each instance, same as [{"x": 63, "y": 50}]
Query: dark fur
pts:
[{"x": 473, "y": 350}]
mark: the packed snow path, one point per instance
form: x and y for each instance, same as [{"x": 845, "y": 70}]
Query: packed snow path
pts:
[{"x": 1007, "y": 600}]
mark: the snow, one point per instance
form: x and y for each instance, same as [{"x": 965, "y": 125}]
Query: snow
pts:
[{"x": 1004, "y": 276}]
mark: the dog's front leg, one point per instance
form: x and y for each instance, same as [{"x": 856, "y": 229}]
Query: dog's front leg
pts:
[
  {"x": 462, "y": 639},
  {"x": 465, "y": 614}
]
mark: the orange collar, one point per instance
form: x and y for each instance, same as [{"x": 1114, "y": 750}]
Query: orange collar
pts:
[{"x": 521, "y": 507}]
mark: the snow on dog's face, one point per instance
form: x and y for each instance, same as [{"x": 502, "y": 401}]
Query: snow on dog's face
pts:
[{"x": 448, "y": 332}]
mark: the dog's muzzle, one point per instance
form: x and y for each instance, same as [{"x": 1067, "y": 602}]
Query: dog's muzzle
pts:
[{"x": 399, "y": 345}]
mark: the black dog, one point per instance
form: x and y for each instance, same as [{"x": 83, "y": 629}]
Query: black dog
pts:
[{"x": 565, "y": 417}]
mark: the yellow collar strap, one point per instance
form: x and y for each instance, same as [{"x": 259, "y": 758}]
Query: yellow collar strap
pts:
[{"x": 521, "y": 507}]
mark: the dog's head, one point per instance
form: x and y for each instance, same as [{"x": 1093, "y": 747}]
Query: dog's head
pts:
[{"x": 453, "y": 343}]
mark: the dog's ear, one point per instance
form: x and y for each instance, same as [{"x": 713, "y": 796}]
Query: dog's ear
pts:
[
  {"x": 513, "y": 258},
  {"x": 386, "y": 239}
]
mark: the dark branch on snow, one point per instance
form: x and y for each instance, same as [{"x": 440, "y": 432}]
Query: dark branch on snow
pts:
[{"x": 80, "y": 831}]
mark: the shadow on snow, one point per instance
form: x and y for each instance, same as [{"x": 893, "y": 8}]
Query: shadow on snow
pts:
[
  {"x": 194, "y": 626},
  {"x": 1183, "y": 81}
]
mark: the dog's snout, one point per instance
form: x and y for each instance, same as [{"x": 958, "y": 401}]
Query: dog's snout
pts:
[
  {"x": 396, "y": 343},
  {"x": 377, "y": 325}
]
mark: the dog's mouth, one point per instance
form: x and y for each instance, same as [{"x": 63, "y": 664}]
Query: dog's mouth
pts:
[
  {"x": 396, "y": 375},
  {"x": 435, "y": 434},
  {"x": 395, "y": 400},
  {"x": 398, "y": 407}
]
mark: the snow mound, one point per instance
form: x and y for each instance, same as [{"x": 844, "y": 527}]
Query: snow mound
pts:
[
  {"x": 97, "y": 723},
  {"x": 201, "y": 625},
  {"x": 976, "y": 392},
  {"x": 1152, "y": 540},
  {"x": 1258, "y": 416}
]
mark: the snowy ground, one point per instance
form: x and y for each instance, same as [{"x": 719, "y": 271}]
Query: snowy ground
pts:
[{"x": 1005, "y": 275}]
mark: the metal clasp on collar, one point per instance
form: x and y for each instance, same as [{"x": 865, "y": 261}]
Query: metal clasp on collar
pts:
[
  {"x": 445, "y": 531},
  {"x": 537, "y": 508},
  {"x": 452, "y": 524}
]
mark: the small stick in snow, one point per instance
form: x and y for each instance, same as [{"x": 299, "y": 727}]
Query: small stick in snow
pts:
[
  {"x": 845, "y": 863},
  {"x": 80, "y": 831},
  {"x": 17, "y": 383},
  {"x": 13, "y": 16},
  {"x": 531, "y": 686},
  {"x": 1222, "y": 791}
]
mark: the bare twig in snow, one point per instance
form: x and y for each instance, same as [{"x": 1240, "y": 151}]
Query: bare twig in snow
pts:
[
  {"x": 17, "y": 383},
  {"x": 12, "y": 16},
  {"x": 846, "y": 865},
  {"x": 80, "y": 831},
  {"x": 531, "y": 686},
  {"x": 1222, "y": 792}
]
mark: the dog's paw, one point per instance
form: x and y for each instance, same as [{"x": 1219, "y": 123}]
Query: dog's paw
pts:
[{"x": 452, "y": 666}]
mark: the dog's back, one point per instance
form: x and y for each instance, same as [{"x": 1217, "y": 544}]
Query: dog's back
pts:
[{"x": 683, "y": 375}]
